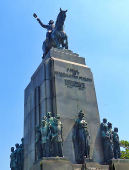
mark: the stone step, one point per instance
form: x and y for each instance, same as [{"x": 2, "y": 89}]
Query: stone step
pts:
[
  {"x": 96, "y": 166},
  {"x": 77, "y": 166}
]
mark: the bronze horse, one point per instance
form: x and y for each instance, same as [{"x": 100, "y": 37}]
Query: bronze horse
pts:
[{"x": 58, "y": 37}]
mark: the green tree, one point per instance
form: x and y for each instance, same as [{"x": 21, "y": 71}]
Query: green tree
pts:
[{"x": 124, "y": 154}]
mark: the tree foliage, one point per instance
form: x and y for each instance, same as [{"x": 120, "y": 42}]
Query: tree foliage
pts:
[{"x": 124, "y": 154}]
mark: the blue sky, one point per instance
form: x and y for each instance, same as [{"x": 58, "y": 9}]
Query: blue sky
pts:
[{"x": 97, "y": 29}]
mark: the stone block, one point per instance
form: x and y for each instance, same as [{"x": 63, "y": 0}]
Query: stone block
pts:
[
  {"x": 90, "y": 93},
  {"x": 27, "y": 91},
  {"x": 42, "y": 91},
  {"x": 37, "y": 95},
  {"x": 39, "y": 72},
  {"x": 31, "y": 148},
  {"x": 96, "y": 152},
  {"x": 28, "y": 105},
  {"x": 96, "y": 166},
  {"x": 48, "y": 69},
  {"x": 54, "y": 111},
  {"x": 29, "y": 145},
  {"x": 95, "y": 132},
  {"x": 119, "y": 164},
  {"x": 36, "y": 166},
  {"x": 31, "y": 159},
  {"x": 25, "y": 111},
  {"x": 31, "y": 120},
  {"x": 67, "y": 128},
  {"x": 38, "y": 76},
  {"x": 37, "y": 115},
  {"x": 66, "y": 55},
  {"x": 49, "y": 105},
  {"x": 26, "y": 144},
  {"x": 32, "y": 100},
  {"x": 91, "y": 111},
  {"x": 26, "y": 126},
  {"x": 43, "y": 109},
  {"x": 70, "y": 111},
  {"x": 25, "y": 163},
  {"x": 32, "y": 136},
  {"x": 68, "y": 150},
  {"x": 53, "y": 92},
  {"x": 48, "y": 89},
  {"x": 77, "y": 167},
  {"x": 56, "y": 164}
]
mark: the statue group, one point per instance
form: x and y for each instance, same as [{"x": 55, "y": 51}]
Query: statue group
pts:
[
  {"x": 49, "y": 138},
  {"x": 81, "y": 139},
  {"x": 17, "y": 156},
  {"x": 49, "y": 141},
  {"x": 110, "y": 140},
  {"x": 55, "y": 37}
]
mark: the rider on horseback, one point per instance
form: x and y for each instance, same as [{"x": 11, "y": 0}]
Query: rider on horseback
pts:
[
  {"x": 49, "y": 27},
  {"x": 55, "y": 37}
]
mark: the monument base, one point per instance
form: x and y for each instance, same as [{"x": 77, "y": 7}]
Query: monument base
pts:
[
  {"x": 114, "y": 164},
  {"x": 62, "y": 163},
  {"x": 119, "y": 164},
  {"x": 52, "y": 163},
  {"x": 95, "y": 166}
]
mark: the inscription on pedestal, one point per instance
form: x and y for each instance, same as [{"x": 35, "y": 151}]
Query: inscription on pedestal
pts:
[
  {"x": 71, "y": 84},
  {"x": 75, "y": 74}
]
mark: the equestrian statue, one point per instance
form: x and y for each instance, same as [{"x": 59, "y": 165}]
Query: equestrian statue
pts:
[{"x": 55, "y": 36}]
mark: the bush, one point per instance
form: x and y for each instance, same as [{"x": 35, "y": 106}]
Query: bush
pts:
[{"x": 124, "y": 154}]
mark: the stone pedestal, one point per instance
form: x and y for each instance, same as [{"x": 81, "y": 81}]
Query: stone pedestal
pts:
[
  {"x": 119, "y": 164},
  {"x": 62, "y": 84},
  {"x": 96, "y": 166},
  {"x": 52, "y": 164}
]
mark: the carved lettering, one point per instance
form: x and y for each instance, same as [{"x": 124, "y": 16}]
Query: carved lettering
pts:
[
  {"x": 74, "y": 74},
  {"x": 61, "y": 74},
  {"x": 71, "y": 84}
]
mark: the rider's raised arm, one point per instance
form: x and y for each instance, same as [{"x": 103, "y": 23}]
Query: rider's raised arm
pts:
[{"x": 43, "y": 25}]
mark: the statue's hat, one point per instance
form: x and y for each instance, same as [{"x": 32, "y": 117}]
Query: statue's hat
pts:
[{"x": 51, "y": 22}]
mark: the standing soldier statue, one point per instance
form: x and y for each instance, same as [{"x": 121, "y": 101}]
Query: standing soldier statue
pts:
[
  {"x": 116, "y": 143},
  {"x": 18, "y": 156},
  {"x": 104, "y": 123},
  {"x": 107, "y": 144},
  {"x": 12, "y": 159},
  {"x": 81, "y": 138},
  {"x": 57, "y": 139},
  {"x": 111, "y": 140},
  {"x": 22, "y": 153},
  {"x": 45, "y": 138}
]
